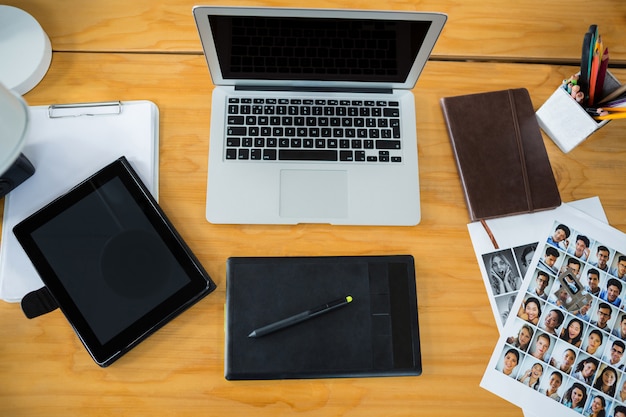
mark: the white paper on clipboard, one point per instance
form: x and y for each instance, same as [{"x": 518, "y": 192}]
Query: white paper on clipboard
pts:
[{"x": 67, "y": 144}]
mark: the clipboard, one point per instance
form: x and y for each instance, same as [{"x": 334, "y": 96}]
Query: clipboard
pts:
[{"x": 66, "y": 144}]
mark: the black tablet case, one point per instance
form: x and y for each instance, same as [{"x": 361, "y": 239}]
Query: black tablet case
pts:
[
  {"x": 88, "y": 299},
  {"x": 376, "y": 334}
]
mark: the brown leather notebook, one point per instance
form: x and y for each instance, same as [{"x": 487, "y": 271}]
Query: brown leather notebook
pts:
[{"x": 500, "y": 154}]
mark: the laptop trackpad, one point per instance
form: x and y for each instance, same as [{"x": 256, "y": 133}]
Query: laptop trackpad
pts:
[{"x": 313, "y": 194}]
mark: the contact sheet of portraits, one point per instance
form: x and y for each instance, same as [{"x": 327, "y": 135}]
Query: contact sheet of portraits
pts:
[
  {"x": 505, "y": 270},
  {"x": 565, "y": 337}
]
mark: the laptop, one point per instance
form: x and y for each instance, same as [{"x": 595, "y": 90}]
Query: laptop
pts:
[{"x": 312, "y": 114}]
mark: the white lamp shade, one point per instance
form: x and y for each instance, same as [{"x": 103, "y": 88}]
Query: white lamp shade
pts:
[
  {"x": 13, "y": 127},
  {"x": 25, "y": 50}
]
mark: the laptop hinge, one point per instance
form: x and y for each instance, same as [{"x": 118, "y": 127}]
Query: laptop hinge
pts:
[{"x": 315, "y": 89}]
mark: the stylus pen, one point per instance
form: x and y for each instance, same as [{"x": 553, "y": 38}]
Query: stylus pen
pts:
[{"x": 305, "y": 315}]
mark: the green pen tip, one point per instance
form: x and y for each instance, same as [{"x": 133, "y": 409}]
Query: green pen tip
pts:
[{"x": 349, "y": 298}]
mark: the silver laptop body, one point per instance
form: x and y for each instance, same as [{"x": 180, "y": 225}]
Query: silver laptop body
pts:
[{"x": 324, "y": 71}]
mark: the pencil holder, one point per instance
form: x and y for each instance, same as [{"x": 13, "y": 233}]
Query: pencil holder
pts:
[{"x": 566, "y": 121}]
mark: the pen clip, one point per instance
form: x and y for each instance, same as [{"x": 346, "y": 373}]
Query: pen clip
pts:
[{"x": 56, "y": 111}]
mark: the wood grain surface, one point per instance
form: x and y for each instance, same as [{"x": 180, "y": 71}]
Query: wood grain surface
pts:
[
  {"x": 530, "y": 30},
  {"x": 45, "y": 371}
]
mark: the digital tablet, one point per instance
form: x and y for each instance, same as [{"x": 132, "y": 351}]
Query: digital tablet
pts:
[
  {"x": 375, "y": 333},
  {"x": 112, "y": 261}
]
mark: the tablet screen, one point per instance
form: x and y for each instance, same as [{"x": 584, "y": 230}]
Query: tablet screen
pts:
[{"x": 112, "y": 260}]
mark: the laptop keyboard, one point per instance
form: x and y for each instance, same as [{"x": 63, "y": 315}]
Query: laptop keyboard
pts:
[{"x": 282, "y": 129}]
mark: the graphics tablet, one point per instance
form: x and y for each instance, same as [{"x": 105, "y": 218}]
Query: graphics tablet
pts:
[
  {"x": 112, "y": 261},
  {"x": 375, "y": 334}
]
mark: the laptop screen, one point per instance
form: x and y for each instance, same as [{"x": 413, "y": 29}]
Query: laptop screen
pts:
[{"x": 316, "y": 49}]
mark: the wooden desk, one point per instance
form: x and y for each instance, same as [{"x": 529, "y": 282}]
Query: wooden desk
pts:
[
  {"x": 45, "y": 371},
  {"x": 506, "y": 30}
]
